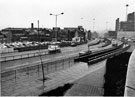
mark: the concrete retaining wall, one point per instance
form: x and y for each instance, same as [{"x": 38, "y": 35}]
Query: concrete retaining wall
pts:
[
  {"x": 130, "y": 79},
  {"x": 24, "y": 80}
]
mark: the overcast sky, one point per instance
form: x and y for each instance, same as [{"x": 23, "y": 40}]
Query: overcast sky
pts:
[{"x": 21, "y": 13}]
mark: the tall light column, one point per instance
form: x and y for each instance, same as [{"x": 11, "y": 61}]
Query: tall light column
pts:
[
  {"x": 106, "y": 26},
  {"x": 126, "y": 18},
  {"x": 126, "y": 10},
  {"x": 56, "y": 15},
  {"x": 93, "y": 24}
]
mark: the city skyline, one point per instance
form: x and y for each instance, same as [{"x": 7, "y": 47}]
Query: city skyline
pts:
[{"x": 100, "y": 15}]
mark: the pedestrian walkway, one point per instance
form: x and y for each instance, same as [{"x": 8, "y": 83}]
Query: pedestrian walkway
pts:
[
  {"x": 87, "y": 80},
  {"x": 91, "y": 84},
  {"x": 32, "y": 84}
]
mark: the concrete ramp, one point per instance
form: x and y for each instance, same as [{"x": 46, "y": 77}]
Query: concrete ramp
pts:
[
  {"x": 90, "y": 84},
  {"x": 84, "y": 90}
]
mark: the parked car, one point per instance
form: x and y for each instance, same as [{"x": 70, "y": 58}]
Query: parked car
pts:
[{"x": 82, "y": 53}]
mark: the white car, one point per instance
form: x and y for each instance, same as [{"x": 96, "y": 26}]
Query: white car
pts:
[
  {"x": 85, "y": 53},
  {"x": 114, "y": 42},
  {"x": 54, "y": 49}
]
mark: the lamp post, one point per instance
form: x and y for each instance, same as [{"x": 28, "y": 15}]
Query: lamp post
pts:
[
  {"x": 107, "y": 26},
  {"x": 56, "y": 15},
  {"x": 93, "y": 24},
  {"x": 81, "y": 21},
  {"x": 126, "y": 18},
  {"x": 126, "y": 10}
]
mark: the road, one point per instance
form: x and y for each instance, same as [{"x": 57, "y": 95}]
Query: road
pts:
[{"x": 66, "y": 52}]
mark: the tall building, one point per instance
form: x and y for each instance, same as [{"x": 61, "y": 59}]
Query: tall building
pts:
[
  {"x": 131, "y": 20},
  {"x": 117, "y": 25},
  {"x": 89, "y": 35},
  {"x": 128, "y": 25},
  {"x": 131, "y": 17},
  {"x": 126, "y": 28}
]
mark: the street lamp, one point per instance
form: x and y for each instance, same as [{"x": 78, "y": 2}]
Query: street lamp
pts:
[
  {"x": 81, "y": 21},
  {"x": 126, "y": 18},
  {"x": 56, "y": 23},
  {"x": 93, "y": 24},
  {"x": 107, "y": 26},
  {"x": 56, "y": 17},
  {"x": 126, "y": 10}
]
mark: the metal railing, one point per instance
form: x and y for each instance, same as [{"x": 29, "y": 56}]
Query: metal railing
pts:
[{"x": 15, "y": 57}]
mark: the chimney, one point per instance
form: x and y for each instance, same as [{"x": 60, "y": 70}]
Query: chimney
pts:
[{"x": 32, "y": 25}]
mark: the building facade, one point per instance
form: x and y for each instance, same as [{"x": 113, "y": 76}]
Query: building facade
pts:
[
  {"x": 128, "y": 25},
  {"x": 126, "y": 28},
  {"x": 43, "y": 34}
]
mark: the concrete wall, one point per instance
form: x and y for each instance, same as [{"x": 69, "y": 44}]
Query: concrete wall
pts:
[
  {"x": 115, "y": 76},
  {"x": 130, "y": 79},
  {"x": 27, "y": 80}
]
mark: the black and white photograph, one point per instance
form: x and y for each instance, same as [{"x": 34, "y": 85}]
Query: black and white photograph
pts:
[{"x": 67, "y": 48}]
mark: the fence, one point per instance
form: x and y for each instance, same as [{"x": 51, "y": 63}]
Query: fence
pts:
[
  {"x": 18, "y": 80},
  {"x": 15, "y": 57},
  {"x": 6, "y": 50}
]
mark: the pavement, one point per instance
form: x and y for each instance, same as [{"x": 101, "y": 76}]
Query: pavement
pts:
[
  {"x": 32, "y": 85},
  {"x": 91, "y": 84}
]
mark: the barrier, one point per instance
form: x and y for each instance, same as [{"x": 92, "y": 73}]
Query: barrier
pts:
[
  {"x": 6, "y": 50},
  {"x": 10, "y": 58}
]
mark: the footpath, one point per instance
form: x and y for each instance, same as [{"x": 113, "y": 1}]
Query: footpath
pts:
[{"x": 87, "y": 80}]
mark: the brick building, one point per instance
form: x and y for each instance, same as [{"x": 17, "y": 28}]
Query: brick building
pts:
[
  {"x": 126, "y": 28},
  {"x": 128, "y": 25}
]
